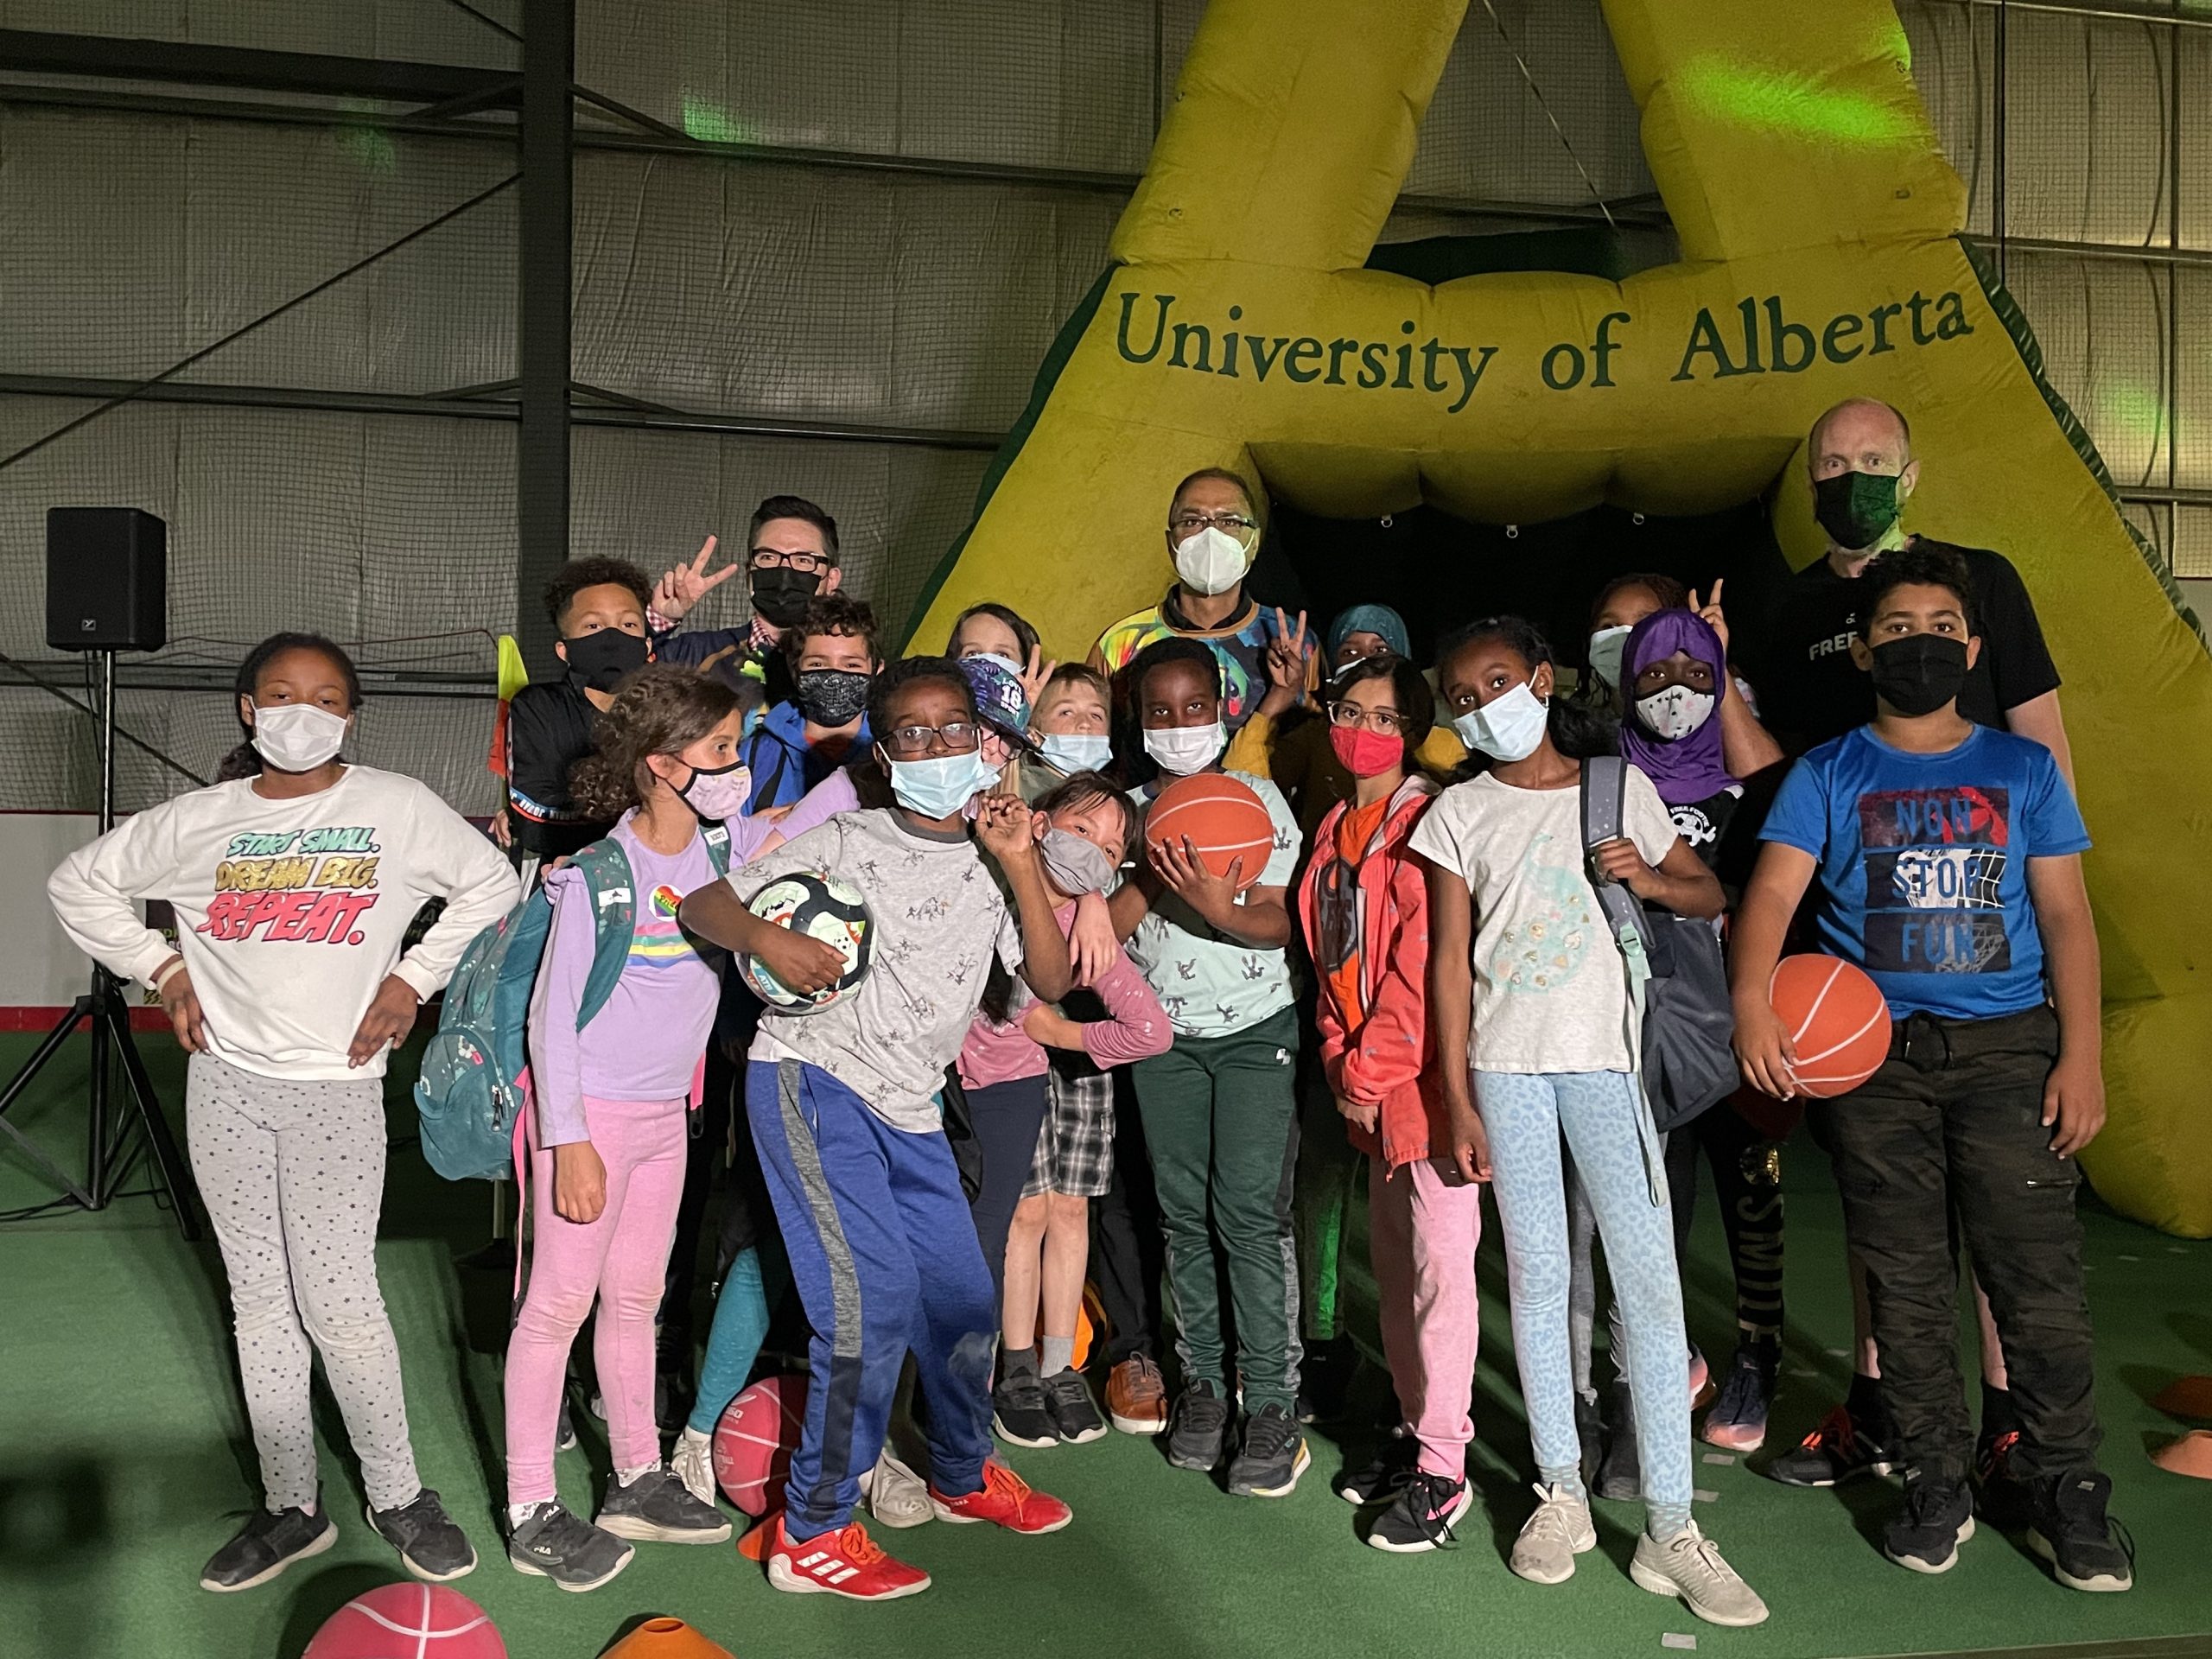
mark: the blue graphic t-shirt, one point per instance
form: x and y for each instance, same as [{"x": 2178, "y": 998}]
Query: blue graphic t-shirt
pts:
[{"x": 1924, "y": 877}]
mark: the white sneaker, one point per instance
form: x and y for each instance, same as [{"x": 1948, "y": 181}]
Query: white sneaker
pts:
[
  {"x": 1559, "y": 1531},
  {"x": 693, "y": 1462},
  {"x": 896, "y": 1495},
  {"x": 1688, "y": 1565}
]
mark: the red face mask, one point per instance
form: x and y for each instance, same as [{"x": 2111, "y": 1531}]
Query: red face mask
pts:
[{"x": 1365, "y": 754}]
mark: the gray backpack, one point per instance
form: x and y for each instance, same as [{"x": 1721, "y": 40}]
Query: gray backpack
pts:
[{"x": 1677, "y": 981}]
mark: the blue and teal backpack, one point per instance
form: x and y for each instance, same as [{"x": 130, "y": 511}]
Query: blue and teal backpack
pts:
[{"x": 469, "y": 1091}]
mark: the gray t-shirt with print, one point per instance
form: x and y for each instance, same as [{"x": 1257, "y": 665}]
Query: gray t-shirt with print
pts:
[{"x": 937, "y": 917}]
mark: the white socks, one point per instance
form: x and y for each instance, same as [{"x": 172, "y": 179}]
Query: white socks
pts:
[
  {"x": 631, "y": 1477},
  {"x": 518, "y": 1513}
]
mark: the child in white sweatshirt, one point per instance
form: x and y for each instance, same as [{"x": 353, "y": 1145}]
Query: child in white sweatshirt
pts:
[{"x": 293, "y": 883}]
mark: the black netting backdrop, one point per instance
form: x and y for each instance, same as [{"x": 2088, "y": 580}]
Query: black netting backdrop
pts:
[{"x": 760, "y": 289}]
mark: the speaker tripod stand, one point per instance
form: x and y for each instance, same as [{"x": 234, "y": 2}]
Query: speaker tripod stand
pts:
[{"x": 107, "y": 1132}]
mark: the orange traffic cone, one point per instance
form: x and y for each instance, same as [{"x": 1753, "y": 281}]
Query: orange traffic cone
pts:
[
  {"x": 2191, "y": 1455},
  {"x": 666, "y": 1639}
]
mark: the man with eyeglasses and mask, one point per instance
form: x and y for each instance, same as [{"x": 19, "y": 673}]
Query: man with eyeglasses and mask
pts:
[
  {"x": 1213, "y": 532},
  {"x": 790, "y": 560}
]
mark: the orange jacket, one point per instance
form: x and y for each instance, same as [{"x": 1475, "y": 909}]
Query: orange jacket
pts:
[{"x": 1382, "y": 1053}]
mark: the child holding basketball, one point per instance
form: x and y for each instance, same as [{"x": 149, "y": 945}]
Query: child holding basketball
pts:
[
  {"x": 1526, "y": 983},
  {"x": 1036, "y": 1199},
  {"x": 1219, "y": 1109},
  {"x": 294, "y": 882},
  {"x": 1948, "y": 859},
  {"x": 608, "y": 1140},
  {"x": 1363, "y": 906},
  {"x": 844, "y": 1101}
]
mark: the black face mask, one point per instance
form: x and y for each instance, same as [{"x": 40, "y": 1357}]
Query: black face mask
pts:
[
  {"x": 830, "y": 697},
  {"x": 1856, "y": 508},
  {"x": 601, "y": 661},
  {"x": 1920, "y": 673},
  {"x": 780, "y": 593}
]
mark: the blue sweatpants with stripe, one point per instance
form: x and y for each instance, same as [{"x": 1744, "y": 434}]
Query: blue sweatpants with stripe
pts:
[{"x": 884, "y": 1255}]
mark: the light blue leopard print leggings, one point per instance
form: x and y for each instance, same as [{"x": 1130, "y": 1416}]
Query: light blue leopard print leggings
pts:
[{"x": 1602, "y": 1115}]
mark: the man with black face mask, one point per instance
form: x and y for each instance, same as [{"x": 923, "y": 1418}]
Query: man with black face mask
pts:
[
  {"x": 599, "y": 607},
  {"x": 791, "y": 561},
  {"x": 1863, "y": 471}
]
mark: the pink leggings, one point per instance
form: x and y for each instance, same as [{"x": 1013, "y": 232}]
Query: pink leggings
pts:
[
  {"x": 622, "y": 1259},
  {"x": 1423, "y": 1226}
]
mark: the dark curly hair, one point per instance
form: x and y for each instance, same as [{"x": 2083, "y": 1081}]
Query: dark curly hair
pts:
[
  {"x": 1416, "y": 704},
  {"x": 1575, "y": 732},
  {"x": 1175, "y": 648},
  {"x": 905, "y": 672},
  {"x": 833, "y": 613},
  {"x": 244, "y": 762},
  {"x": 1670, "y": 594},
  {"x": 577, "y": 574},
  {"x": 661, "y": 709},
  {"x": 1916, "y": 564}
]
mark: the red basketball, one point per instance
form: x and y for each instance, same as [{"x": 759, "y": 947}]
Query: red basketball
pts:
[
  {"x": 1838, "y": 1023},
  {"x": 408, "y": 1621},
  {"x": 1223, "y": 819},
  {"x": 755, "y": 1440}
]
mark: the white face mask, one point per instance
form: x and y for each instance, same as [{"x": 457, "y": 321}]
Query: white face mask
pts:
[
  {"x": 298, "y": 736},
  {"x": 1676, "y": 712},
  {"x": 1073, "y": 752},
  {"x": 1605, "y": 648},
  {"x": 1183, "y": 750},
  {"x": 1508, "y": 728},
  {"x": 1211, "y": 561}
]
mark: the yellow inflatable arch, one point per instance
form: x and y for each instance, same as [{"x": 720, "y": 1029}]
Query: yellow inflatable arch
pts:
[{"x": 1817, "y": 220}]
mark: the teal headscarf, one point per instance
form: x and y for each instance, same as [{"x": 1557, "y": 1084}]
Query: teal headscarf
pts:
[{"x": 1369, "y": 618}]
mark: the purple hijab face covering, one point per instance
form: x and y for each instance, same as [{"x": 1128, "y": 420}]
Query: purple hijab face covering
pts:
[{"x": 1685, "y": 769}]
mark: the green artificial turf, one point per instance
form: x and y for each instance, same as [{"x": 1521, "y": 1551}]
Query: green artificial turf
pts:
[{"x": 124, "y": 1460}]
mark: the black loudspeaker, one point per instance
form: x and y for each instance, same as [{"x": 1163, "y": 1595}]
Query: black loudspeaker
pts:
[{"x": 106, "y": 579}]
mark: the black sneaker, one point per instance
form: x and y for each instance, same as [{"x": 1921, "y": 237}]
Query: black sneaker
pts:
[
  {"x": 266, "y": 1546},
  {"x": 564, "y": 1431},
  {"x": 431, "y": 1546},
  {"x": 1019, "y": 1413},
  {"x": 1738, "y": 1419},
  {"x": 1391, "y": 1467},
  {"x": 1841, "y": 1448},
  {"x": 1273, "y": 1457},
  {"x": 552, "y": 1543},
  {"x": 1999, "y": 1494},
  {"x": 1620, "y": 1477},
  {"x": 1426, "y": 1508},
  {"x": 658, "y": 1508},
  {"x": 1325, "y": 1376},
  {"x": 2069, "y": 1529},
  {"x": 1074, "y": 1413},
  {"x": 1199, "y": 1427},
  {"x": 1937, "y": 1517}
]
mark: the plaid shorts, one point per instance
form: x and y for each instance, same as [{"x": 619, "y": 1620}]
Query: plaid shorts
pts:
[{"x": 1075, "y": 1147}]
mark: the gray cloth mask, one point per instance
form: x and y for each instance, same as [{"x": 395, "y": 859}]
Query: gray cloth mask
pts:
[{"x": 1073, "y": 865}]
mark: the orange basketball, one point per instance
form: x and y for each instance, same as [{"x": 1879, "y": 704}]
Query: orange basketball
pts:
[
  {"x": 755, "y": 1440},
  {"x": 1223, "y": 819},
  {"x": 1838, "y": 1021},
  {"x": 408, "y": 1621}
]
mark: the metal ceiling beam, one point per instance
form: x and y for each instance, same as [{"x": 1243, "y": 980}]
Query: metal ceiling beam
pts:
[
  {"x": 542, "y": 232},
  {"x": 181, "y": 63}
]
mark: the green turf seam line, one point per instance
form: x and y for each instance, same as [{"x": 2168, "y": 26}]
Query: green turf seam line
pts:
[
  {"x": 2031, "y": 350},
  {"x": 1040, "y": 392}
]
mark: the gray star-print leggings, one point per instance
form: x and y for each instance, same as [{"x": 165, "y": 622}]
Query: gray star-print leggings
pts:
[{"x": 292, "y": 1174}]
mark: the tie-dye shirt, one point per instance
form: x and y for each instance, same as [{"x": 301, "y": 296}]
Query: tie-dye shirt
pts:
[
  {"x": 646, "y": 1043},
  {"x": 1241, "y": 644}
]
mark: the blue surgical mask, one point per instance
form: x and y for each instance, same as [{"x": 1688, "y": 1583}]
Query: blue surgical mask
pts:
[
  {"x": 1607, "y": 647},
  {"x": 938, "y": 785},
  {"x": 1506, "y": 728},
  {"x": 1069, "y": 753}
]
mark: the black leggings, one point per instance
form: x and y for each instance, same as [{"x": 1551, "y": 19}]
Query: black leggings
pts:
[
  {"x": 1007, "y": 1117},
  {"x": 1747, "y": 1175}
]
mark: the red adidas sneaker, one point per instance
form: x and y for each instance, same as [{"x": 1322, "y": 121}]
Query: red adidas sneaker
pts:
[
  {"x": 845, "y": 1563},
  {"x": 1005, "y": 1499}
]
